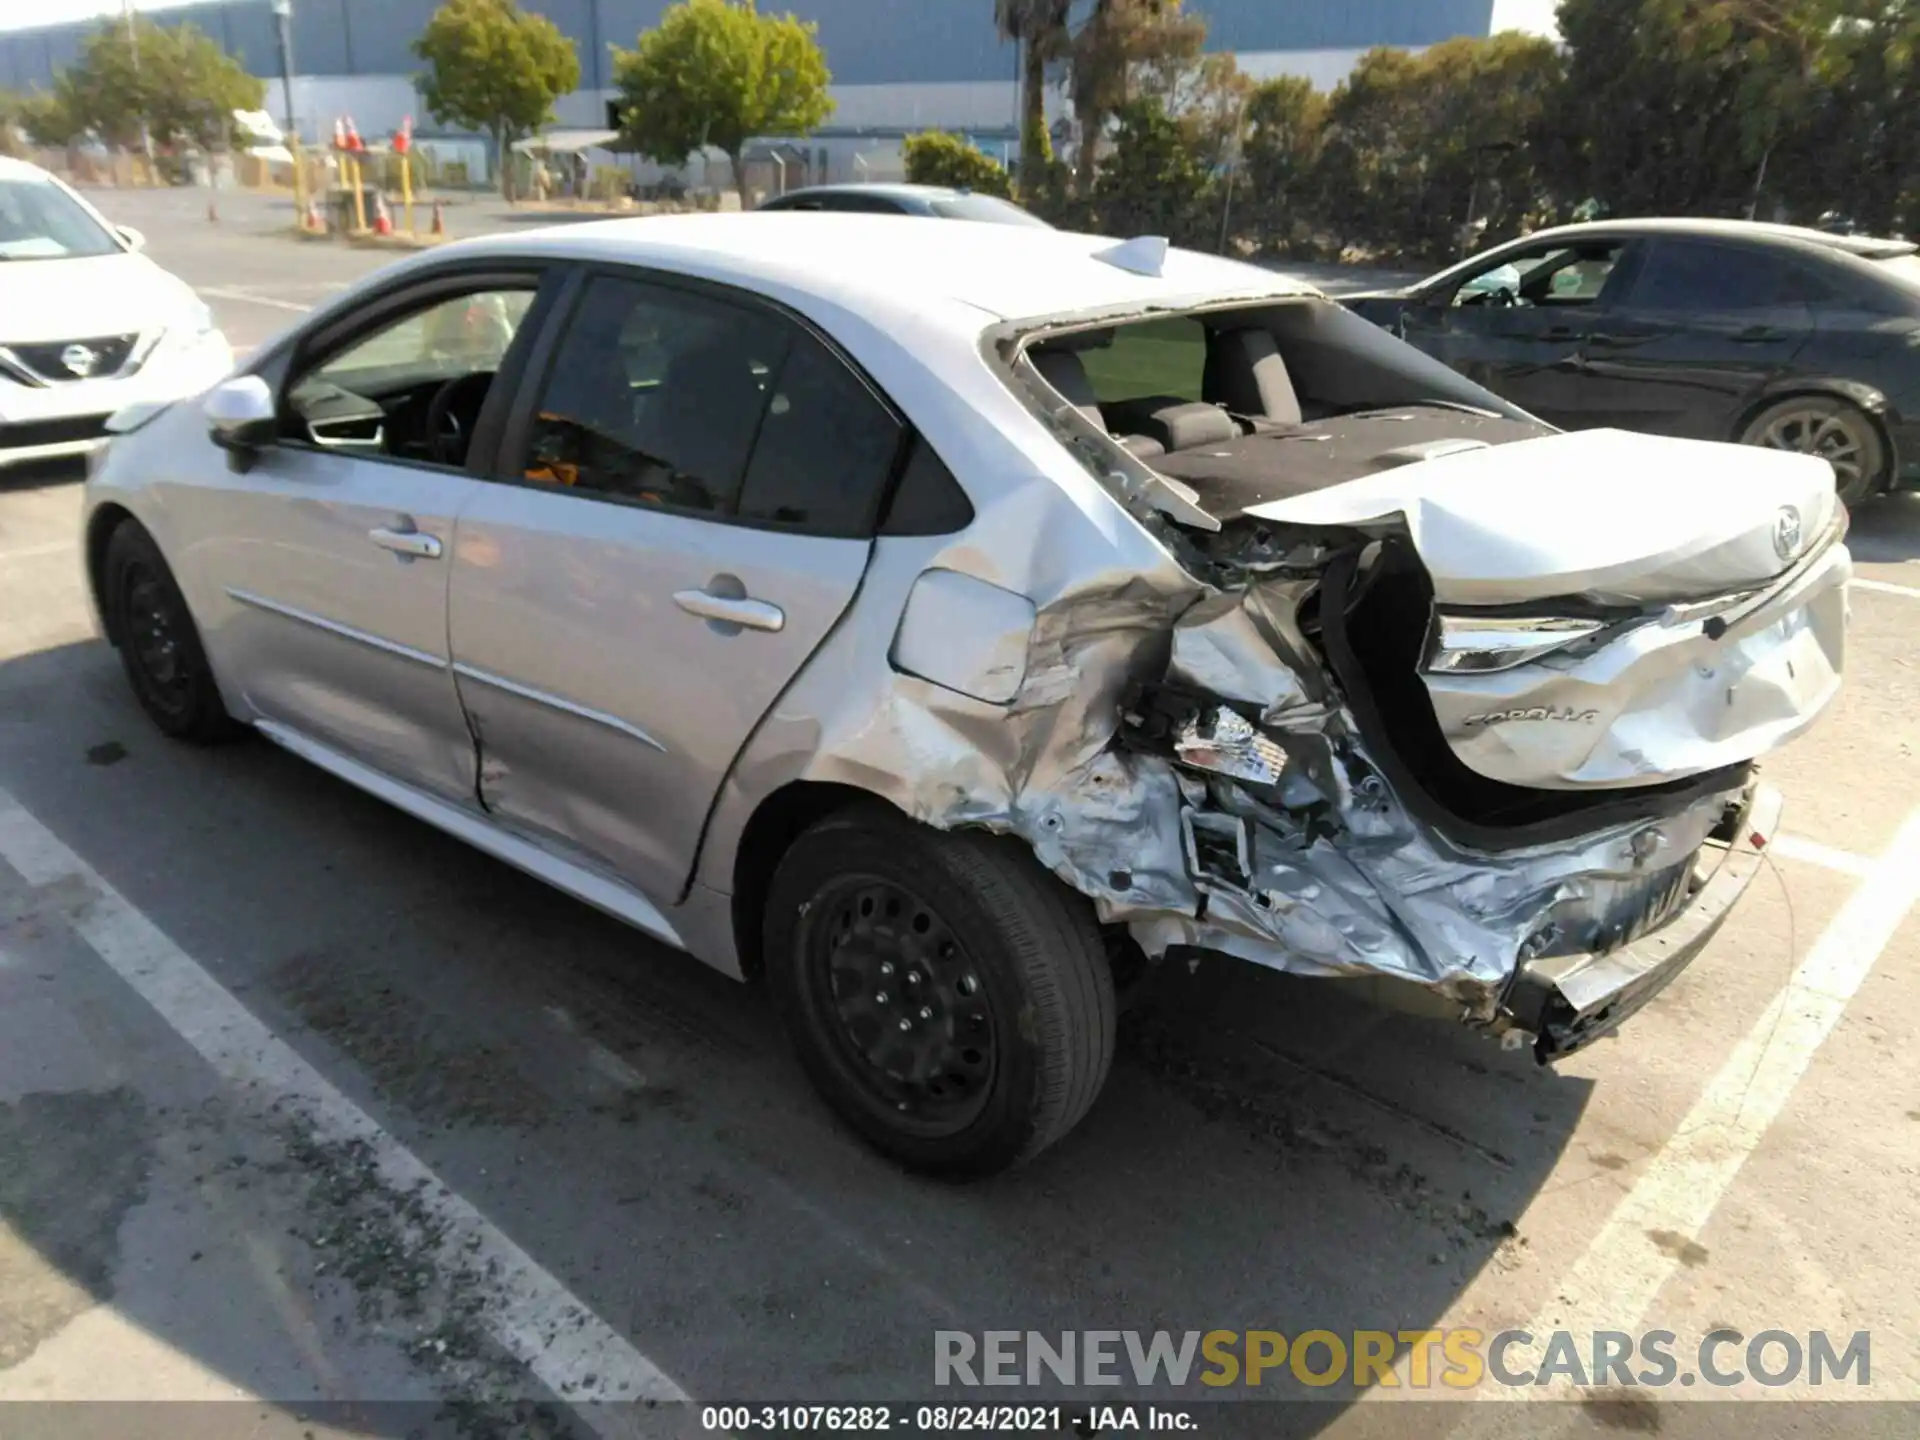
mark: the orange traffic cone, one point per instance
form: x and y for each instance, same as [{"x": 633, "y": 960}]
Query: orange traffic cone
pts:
[
  {"x": 312, "y": 221},
  {"x": 439, "y": 220},
  {"x": 382, "y": 221}
]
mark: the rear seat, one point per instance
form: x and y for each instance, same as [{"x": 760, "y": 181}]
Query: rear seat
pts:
[{"x": 1148, "y": 426}]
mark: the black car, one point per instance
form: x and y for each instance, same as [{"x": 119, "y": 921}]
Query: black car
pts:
[
  {"x": 1715, "y": 330},
  {"x": 882, "y": 198}
]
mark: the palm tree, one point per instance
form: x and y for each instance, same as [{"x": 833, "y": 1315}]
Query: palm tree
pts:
[{"x": 1039, "y": 27}]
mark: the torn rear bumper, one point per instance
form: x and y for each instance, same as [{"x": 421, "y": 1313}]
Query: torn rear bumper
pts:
[{"x": 1568, "y": 1001}]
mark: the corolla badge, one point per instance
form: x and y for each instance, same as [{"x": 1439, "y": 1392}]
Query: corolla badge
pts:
[
  {"x": 79, "y": 360},
  {"x": 1560, "y": 714},
  {"x": 1786, "y": 532}
]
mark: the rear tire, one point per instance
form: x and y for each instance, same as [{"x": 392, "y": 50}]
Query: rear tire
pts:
[
  {"x": 949, "y": 998},
  {"x": 159, "y": 644},
  {"x": 1824, "y": 425}
]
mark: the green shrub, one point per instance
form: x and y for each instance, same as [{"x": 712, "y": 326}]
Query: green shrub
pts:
[{"x": 935, "y": 157}]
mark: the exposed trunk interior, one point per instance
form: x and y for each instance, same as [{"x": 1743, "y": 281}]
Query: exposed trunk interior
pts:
[
  {"x": 1372, "y": 620},
  {"x": 1277, "y": 462}
]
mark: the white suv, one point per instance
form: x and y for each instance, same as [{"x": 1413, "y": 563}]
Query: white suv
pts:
[{"x": 87, "y": 323}]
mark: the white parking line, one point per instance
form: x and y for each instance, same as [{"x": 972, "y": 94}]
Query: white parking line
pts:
[
  {"x": 1617, "y": 1280},
  {"x": 1812, "y": 852},
  {"x": 568, "y": 1348},
  {"x": 1886, "y": 587},
  {"x": 221, "y": 292}
]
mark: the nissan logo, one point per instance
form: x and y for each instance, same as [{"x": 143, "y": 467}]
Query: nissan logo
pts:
[
  {"x": 79, "y": 360},
  {"x": 1786, "y": 532}
]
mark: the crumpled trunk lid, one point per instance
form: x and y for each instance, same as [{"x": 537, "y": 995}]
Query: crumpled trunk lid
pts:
[
  {"x": 1597, "y": 611},
  {"x": 1606, "y": 515}
]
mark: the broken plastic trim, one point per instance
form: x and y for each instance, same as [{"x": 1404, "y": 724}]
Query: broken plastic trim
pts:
[{"x": 1481, "y": 645}]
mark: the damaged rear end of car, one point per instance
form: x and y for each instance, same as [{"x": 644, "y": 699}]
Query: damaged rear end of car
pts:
[{"x": 1455, "y": 700}]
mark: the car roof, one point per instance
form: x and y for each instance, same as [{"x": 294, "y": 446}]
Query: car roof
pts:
[
  {"x": 864, "y": 263},
  {"x": 11, "y": 169},
  {"x": 1866, "y": 246},
  {"x": 886, "y": 189}
]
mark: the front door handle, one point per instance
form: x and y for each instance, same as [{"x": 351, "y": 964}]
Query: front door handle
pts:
[
  {"x": 726, "y": 603},
  {"x": 415, "y": 543}
]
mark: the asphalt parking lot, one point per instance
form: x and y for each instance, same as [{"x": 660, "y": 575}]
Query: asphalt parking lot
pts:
[{"x": 559, "y": 1165}]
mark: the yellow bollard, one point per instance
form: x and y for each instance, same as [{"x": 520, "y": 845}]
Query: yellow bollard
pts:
[
  {"x": 359, "y": 194},
  {"x": 299, "y": 180},
  {"x": 406, "y": 189}
]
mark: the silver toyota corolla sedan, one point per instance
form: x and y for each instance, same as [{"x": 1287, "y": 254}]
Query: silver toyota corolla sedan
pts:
[{"x": 947, "y": 629}]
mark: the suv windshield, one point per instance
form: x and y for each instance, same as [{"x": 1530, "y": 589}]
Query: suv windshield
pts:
[
  {"x": 40, "y": 221},
  {"x": 983, "y": 207}
]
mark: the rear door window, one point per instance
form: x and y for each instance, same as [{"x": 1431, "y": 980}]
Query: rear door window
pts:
[
  {"x": 1688, "y": 275},
  {"x": 690, "y": 401}
]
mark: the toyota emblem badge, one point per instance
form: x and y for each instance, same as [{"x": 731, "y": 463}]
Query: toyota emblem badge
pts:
[
  {"x": 1786, "y": 532},
  {"x": 79, "y": 360}
]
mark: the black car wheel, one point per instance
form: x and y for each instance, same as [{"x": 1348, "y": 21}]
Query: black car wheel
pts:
[
  {"x": 1839, "y": 433},
  {"x": 949, "y": 998},
  {"x": 159, "y": 643}
]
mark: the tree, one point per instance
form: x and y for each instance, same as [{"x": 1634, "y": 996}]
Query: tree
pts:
[
  {"x": 1859, "y": 148},
  {"x": 108, "y": 89},
  {"x": 935, "y": 157},
  {"x": 173, "y": 81},
  {"x": 196, "y": 89},
  {"x": 1039, "y": 27},
  {"x": 719, "y": 73},
  {"x": 494, "y": 68},
  {"x": 1154, "y": 183},
  {"x": 1119, "y": 38},
  {"x": 1678, "y": 106},
  {"x": 1285, "y": 127},
  {"x": 1413, "y": 146}
]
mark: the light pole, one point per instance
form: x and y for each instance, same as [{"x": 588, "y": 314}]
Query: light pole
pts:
[
  {"x": 133, "y": 45},
  {"x": 283, "y": 17}
]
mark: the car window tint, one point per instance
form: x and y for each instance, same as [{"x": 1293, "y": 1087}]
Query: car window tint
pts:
[
  {"x": 373, "y": 396},
  {"x": 825, "y": 449},
  {"x": 1682, "y": 275},
  {"x": 1152, "y": 357},
  {"x": 927, "y": 500},
  {"x": 985, "y": 207},
  {"x": 655, "y": 396},
  {"x": 847, "y": 202}
]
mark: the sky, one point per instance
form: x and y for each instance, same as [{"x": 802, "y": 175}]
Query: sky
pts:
[{"x": 29, "y": 14}]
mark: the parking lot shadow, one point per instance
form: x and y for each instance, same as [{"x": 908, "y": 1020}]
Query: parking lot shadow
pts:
[
  {"x": 1271, "y": 1153},
  {"x": 1886, "y": 530}
]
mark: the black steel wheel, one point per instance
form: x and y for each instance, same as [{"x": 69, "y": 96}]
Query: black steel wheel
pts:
[
  {"x": 159, "y": 644},
  {"x": 950, "y": 999},
  {"x": 1830, "y": 428},
  {"x": 911, "y": 1018}
]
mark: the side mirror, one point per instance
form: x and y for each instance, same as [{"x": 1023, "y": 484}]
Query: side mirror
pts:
[
  {"x": 240, "y": 416},
  {"x": 130, "y": 237}
]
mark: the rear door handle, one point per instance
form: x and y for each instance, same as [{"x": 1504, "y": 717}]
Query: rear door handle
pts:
[
  {"x": 730, "y": 610},
  {"x": 1759, "y": 334},
  {"x": 415, "y": 543}
]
